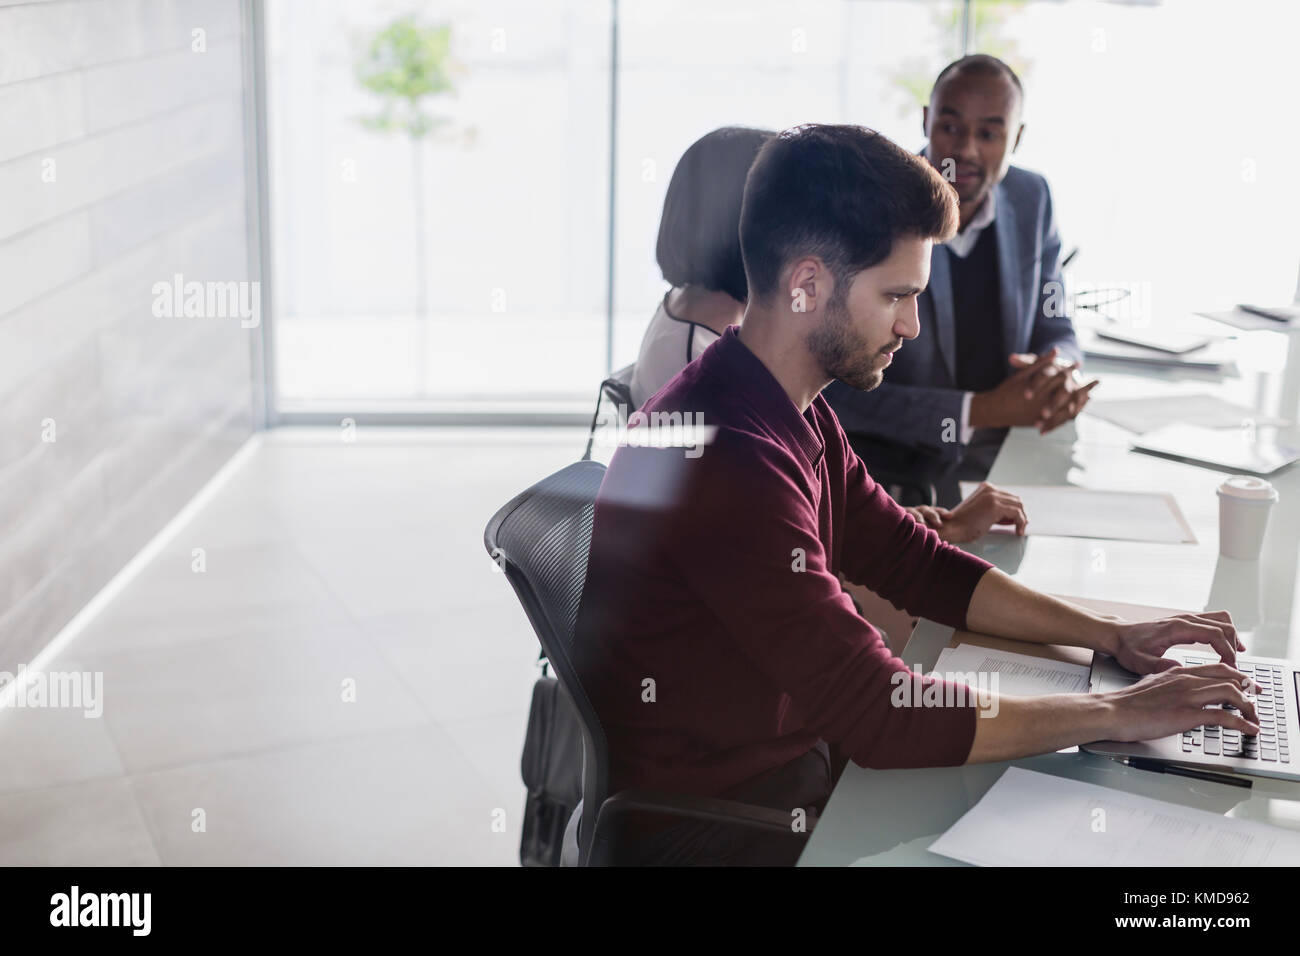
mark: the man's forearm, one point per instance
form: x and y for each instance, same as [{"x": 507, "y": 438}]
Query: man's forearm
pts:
[
  {"x": 1003, "y": 607},
  {"x": 1025, "y": 726}
]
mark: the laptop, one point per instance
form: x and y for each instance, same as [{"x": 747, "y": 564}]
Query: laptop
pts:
[
  {"x": 1169, "y": 341},
  {"x": 1269, "y": 754},
  {"x": 1230, "y": 449}
]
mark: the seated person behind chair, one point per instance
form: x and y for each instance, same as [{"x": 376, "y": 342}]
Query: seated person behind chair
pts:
[
  {"x": 996, "y": 348},
  {"x": 714, "y": 639},
  {"x": 698, "y": 251}
]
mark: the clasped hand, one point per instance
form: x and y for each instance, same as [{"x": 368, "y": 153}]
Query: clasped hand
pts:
[{"x": 1045, "y": 391}]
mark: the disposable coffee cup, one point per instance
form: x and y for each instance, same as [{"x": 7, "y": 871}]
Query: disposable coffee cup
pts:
[{"x": 1244, "y": 507}]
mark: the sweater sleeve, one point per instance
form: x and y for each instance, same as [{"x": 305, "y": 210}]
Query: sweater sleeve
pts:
[
  {"x": 749, "y": 536},
  {"x": 902, "y": 560}
]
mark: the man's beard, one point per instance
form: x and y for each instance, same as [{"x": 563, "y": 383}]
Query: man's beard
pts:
[
  {"x": 973, "y": 194},
  {"x": 843, "y": 353}
]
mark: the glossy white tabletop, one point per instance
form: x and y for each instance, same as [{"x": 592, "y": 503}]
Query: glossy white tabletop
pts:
[{"x": 890, "y": 817}]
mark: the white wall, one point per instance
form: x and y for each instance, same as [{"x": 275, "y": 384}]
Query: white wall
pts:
[{"x": 121, "y": 163}]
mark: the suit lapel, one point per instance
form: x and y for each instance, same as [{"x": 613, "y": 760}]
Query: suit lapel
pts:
[
  {"x": 1009, "y": 273},
  {"x": 945, "y": 328}
]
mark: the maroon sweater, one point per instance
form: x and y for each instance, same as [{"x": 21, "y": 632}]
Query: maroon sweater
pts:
[{"x": 695, "y": 583}]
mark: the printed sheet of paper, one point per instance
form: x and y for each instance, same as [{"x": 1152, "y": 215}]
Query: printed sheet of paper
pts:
[
  {"x": 1071, "y": 512},
  {"x": 1036, "y": 819},
  {"x": 1018, "y": 674}
]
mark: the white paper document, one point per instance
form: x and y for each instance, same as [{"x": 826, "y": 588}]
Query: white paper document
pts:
[
  {"x": 1036, "y": 819},
  {"x": 1018, "y": 674},
  {"x": 1142, "y": 415},
  {"x": 1071, "y": 512}
]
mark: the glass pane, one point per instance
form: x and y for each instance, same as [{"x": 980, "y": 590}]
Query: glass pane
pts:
[
  {"x": 466, "y": 267},
  {"x": 691, "y": 66},
  {"x": 1166, "y": 133}
]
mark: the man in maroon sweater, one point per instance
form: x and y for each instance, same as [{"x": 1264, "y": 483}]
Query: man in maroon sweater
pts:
[{"x": 715, "y": 640}]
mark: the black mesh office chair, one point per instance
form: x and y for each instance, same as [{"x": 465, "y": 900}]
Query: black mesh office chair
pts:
[{"x": 541, "y": 540}]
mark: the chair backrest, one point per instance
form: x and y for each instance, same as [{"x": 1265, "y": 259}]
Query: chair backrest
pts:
[{"x": 541, "y": 540}]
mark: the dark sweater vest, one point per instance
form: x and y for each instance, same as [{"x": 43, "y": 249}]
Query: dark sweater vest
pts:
[{"x": 977, "y": 309}]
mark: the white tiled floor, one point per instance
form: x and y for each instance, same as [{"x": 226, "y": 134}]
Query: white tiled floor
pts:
[{"x": 327, "y": 563}]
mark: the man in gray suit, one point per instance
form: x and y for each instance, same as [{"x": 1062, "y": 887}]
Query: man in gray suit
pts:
[{"x": 996, "y": 347}]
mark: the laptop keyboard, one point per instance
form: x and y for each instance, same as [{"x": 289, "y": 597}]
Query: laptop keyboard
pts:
[{"x": 1271, "y": 744}]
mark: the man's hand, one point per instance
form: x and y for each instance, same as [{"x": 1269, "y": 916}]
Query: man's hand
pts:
[
  {"x": 1063, "y": 390},
  {"x": 1181, "y": 698},
  {"x": 985, "y": 507},
  {"x": 929, "y": 516},
  {"x": 1044, "y": 391},
  {"x": 1158, "y": 705},
  {"x": 1140, "y": 645}
]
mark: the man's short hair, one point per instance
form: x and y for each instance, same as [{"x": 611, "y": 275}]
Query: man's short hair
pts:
[
  {"x": 699, "y": 233},
  {"x": 842, "y": 194},
  {"x": 979, "y": 64}
]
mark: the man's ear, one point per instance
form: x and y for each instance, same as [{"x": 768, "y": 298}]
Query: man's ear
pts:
[
  {"x": 1019, "y": 133},
  {"x": 925, "y": 122},
  {"x": 802, "y": 287}
]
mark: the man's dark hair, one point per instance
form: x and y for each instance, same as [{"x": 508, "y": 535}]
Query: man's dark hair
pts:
[
  {"x": 699, "y": 234},
  {"x": 979, "y": 64},
  {"x": 842, "y": 194}
]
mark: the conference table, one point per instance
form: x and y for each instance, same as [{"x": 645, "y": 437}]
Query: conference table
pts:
[{"x": 890, "y": 817}]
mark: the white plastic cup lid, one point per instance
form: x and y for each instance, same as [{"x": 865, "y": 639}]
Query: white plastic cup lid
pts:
[{"x": 1248, "y": 488}]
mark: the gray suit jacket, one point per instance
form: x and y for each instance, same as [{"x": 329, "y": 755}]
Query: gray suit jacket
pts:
[{"x": 905, "y": 420}]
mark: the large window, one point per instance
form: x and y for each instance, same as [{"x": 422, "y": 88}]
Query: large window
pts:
[
  {"x": 466, "y": 266},
  {"x": 1166, "y": 131},
  {"x": 470, "y": 269},
  {"x": 507, "y": 307},
  {"x": 690, "y": 66}
]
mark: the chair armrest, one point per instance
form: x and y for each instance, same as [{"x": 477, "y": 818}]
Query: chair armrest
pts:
[{"x": 688, "y": 807}]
